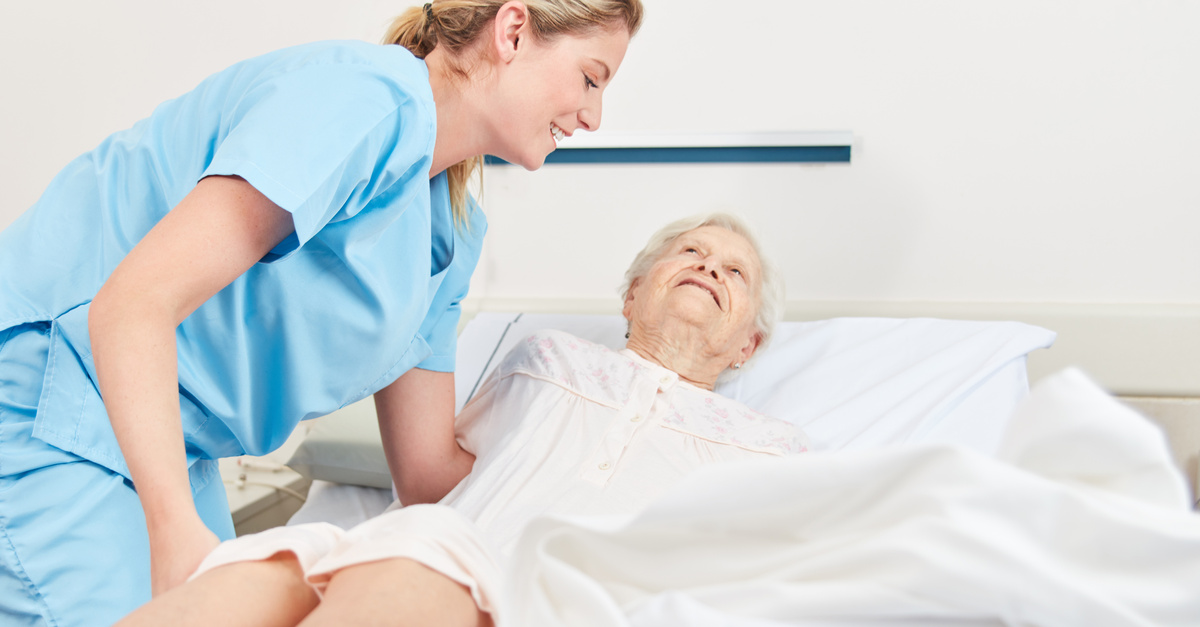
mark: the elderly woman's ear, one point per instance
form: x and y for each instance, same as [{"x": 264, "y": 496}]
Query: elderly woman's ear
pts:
[
  {"x": 748, "y": 350},
  {"x": 627, "y": 308}
]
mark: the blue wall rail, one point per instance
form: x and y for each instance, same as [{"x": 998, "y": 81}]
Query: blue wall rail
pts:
[{"x": 790, "y": 147}]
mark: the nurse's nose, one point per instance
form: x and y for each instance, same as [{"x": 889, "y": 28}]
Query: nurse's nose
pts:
[{"x": 589, "y": 116}]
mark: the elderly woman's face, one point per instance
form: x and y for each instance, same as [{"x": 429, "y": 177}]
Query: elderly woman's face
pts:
[{"x": 709, "y": 277}]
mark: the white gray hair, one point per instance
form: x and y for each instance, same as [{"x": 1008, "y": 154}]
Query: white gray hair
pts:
[{"x": 771, "y": 288}]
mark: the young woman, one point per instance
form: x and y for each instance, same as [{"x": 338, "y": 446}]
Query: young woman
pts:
[{"x": 291, "y": 236}]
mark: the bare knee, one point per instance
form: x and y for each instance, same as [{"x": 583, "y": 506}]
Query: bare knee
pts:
[
  {"x": 270, "y": 592},
  {"x": 396, "y": 592}
]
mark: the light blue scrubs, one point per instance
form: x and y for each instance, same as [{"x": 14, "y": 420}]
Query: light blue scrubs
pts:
[{"x": 341, "y": 135}]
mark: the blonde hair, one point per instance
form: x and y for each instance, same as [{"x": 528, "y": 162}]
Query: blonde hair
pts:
[
  {"x": 771, "y": 289},
  {"x": 457, "y": 25}
]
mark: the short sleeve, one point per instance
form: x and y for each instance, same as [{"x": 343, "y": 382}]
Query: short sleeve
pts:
[
  {"x": 442, "y": 338},
  {"x": 322, "y": 140}
]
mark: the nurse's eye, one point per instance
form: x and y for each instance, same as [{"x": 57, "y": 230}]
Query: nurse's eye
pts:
[{"x": 588, "y": 83}]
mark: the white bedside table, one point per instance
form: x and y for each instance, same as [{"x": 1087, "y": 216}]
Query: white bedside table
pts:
[{"x": 262, "y": 492}]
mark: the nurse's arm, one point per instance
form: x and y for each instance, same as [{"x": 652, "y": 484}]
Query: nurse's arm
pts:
[
  {"x": 210, "y": 238},
  {"x": 416, "y": 420}
]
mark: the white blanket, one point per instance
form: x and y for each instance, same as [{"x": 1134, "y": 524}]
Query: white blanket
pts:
[{"x": 1081, "y": 520}]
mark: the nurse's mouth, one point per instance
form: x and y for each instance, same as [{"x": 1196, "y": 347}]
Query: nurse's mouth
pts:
[{"x": 556, "y": 132}]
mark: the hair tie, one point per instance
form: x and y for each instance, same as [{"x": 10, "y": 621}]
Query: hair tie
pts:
[{"x": 428, "y": 11}]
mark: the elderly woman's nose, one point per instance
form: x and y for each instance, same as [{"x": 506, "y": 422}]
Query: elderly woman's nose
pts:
[{"x": 704, "y": 265}]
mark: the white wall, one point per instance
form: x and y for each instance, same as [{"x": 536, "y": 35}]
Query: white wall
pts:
[
  {"x": 1005, "y": 151},
  {"x": 1023, "y": 150},
  {"x": 74, "y": 71}
]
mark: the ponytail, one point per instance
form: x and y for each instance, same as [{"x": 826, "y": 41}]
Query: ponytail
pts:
[{"x": 420, "y": 30}]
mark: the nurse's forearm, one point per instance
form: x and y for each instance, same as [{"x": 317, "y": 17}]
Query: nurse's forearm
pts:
[
  {"x": 135, "y": 357},
  {"x": 416, "y": 420},
  {"x": 430, "y": 481},
  {"x": 134, "y": 352},
  {"x": 133, "y": 347}
]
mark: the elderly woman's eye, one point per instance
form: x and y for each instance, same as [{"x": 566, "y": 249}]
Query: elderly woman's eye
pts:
[
  {"x": 691, "y": 250},
  {"x": 736, "y": 271}
]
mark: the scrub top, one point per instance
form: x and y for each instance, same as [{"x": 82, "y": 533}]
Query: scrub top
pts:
[{"x": 341, "y": 135}]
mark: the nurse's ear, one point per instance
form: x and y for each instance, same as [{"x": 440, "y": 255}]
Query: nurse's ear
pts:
[{"x": 510, "y": 27}]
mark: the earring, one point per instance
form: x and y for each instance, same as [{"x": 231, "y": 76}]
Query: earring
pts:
[
  {"x": 737, "y": 365},
  {"x": 627, "y": 335}
]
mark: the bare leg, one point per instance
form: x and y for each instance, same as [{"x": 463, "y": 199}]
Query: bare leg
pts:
[
  {"x": 396, "y": 592},
  {"x": 266, "y": 593}
]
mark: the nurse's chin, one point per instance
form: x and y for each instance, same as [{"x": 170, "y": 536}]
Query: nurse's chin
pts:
[{"x": 532, "y": 162}]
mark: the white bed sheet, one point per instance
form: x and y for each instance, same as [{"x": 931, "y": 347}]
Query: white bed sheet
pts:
[
  {"x": 341, "y": 504},
  {"x": 1082, "y": 519},
  {"x": 1079, "y": 519}
]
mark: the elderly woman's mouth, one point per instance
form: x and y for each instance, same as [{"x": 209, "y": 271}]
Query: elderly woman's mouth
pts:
[{"x": 704, "y": 287}]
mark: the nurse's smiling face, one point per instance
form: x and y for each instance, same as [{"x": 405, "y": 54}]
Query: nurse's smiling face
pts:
[{"x": 551, "y": 88}]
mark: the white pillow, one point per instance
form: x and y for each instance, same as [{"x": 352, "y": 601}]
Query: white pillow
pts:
[
  {"x": 850, "y": 382},
  {"x": 859, "y": 382}
]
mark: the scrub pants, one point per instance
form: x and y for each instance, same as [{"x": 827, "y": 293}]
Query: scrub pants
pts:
[{"x": 73, "y": 544}]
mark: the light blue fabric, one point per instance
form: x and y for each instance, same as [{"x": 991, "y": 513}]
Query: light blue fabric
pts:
[
  {"x": 341, "y": 135},
  {"x": 58, "y": 510}
]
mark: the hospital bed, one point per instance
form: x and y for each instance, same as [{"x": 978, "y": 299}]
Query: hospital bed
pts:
[
  {"x": 858, "y": 386},
  {"x": 851, "y": 382}
]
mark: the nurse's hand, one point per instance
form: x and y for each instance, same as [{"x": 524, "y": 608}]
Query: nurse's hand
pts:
[{"x": 176, "y": 553}]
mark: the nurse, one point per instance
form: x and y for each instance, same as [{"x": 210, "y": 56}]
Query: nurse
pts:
[{"x": 291, "y": 236}]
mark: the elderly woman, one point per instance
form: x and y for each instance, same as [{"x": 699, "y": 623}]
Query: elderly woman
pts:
[{"x": 563, "y": 426}]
